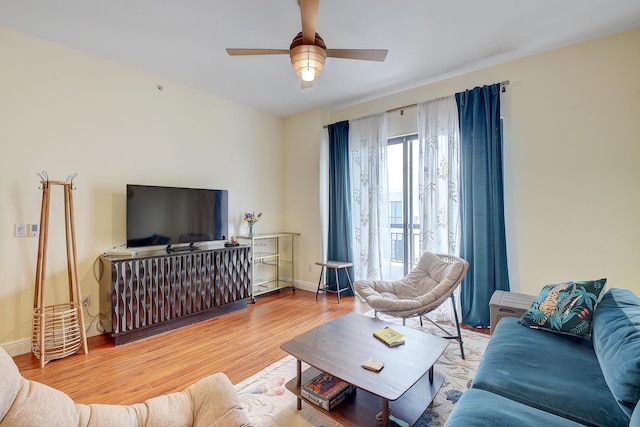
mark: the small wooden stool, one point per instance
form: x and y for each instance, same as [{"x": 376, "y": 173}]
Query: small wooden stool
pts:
[{"x": 335, "y": 265}]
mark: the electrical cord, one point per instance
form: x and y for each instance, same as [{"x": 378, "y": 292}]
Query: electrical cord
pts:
[{"x": 98, "y": 271}]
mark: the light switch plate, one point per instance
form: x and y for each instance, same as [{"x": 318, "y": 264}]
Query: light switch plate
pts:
[{"x": 20, "y": 230}]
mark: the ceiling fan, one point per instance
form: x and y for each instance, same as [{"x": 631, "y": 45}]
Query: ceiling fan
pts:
[{"x": 308, "y": 51}]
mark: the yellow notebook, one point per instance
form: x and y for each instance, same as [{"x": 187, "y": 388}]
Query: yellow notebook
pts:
[{"x": 389, "y": 336}]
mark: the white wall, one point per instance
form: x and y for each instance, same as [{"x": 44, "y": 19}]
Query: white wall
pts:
[
  {"x": 66, "y": 112},
  {"x": 571, "y": 156}
]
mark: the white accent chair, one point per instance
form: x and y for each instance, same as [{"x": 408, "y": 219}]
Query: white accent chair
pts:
[
  {"x": 429, "y": 284},
  {"x": 211, "y": 401}
]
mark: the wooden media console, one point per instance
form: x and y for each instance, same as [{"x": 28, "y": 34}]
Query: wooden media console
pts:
[{"x": 149, "y": 294}]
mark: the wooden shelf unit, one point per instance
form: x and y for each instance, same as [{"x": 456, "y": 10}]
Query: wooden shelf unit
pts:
[{"x": 272, "y": 263}]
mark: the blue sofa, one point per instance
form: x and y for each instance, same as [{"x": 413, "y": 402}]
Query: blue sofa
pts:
[{"x": 532, "y": 377}]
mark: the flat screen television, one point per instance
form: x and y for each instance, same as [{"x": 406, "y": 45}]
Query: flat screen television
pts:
[{"x": 175, "y": 216}]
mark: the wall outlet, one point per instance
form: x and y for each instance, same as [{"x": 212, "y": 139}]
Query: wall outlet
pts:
[
  {"x": 86, "y": 300},
  {"x": 310, "y": 267}
]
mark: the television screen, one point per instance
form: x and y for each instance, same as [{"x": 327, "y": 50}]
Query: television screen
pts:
[{"x": 171, "y": 215}]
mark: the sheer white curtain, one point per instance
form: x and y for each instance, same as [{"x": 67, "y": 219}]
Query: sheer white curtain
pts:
[
  {"x": 439, "y": 184},
  {"x": 369, "y": 199}
]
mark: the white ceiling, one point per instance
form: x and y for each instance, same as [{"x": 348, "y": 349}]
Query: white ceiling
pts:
[{"x": 185, "y": 41}]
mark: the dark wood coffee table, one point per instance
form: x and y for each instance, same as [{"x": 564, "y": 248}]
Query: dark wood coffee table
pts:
[{"x": 405, "y": 387}]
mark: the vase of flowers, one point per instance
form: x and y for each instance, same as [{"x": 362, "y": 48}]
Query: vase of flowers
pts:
[{"x": 251, "y": 219}]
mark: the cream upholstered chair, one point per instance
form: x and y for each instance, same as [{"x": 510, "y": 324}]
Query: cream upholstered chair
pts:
[
  {"x": 211, "y": 401},
  {"x": 429, "y": 284}
]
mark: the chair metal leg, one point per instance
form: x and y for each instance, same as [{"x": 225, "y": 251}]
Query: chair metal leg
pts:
[
  {"x": 353, "y": 291},
  {"x": 448, "y": 335},
  {"x": 337, "y": 284},
  {"x": 455, "y": 313}
]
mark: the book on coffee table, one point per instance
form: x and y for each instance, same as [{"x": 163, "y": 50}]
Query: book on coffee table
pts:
[
  {"x": 389, "y": 336},
  {"x": 326, "y": 391}
]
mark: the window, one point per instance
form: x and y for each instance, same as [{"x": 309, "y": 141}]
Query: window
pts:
[
  {"x": 397, "y": 247},
  {"x": 402, "y": 163},
  {"x": 395, "y": 214}
]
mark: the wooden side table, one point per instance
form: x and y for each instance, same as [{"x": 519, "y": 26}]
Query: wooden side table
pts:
[{"x": 505, "y": 304}]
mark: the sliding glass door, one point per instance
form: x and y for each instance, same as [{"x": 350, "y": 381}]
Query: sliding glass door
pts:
[{"x": 404, "y": 212}]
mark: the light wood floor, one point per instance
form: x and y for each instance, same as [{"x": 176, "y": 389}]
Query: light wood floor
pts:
[{"x": 239, "y": 343}]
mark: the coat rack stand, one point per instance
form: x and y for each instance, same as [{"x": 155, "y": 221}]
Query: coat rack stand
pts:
[{"x": 58, "y": 330}]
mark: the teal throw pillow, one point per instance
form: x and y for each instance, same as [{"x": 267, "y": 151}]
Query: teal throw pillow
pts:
[{"x": 565, "y": 308}]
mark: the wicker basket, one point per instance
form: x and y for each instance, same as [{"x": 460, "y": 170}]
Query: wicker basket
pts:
[{"x": 61, "y": 327}]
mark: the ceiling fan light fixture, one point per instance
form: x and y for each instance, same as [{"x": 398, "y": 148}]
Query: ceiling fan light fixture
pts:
[
  {"x": 307, "y": 74},
  {"x": 307, "y": 61}
]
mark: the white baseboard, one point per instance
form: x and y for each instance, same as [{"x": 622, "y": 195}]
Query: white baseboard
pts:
[
  {"x": 17, "y": 348},
  {"x": 306, "y": 286}
]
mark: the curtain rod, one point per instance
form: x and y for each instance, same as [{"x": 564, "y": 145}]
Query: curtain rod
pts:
[{"x": 406, "y": 107}]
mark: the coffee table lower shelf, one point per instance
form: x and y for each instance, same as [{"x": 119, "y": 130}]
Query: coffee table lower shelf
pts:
[{"x": 361, "y": 408}]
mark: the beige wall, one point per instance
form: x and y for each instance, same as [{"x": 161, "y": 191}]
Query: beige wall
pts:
[
  {"x": 65, "y": 112},
  {"x": 572, "y": 159},
  {"x": 302, "y": 201}
]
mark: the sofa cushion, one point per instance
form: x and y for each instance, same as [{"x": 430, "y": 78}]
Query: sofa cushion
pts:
[
  {"x": 555, "y": 373},
  {"x": 10, "y": 382},
  {"x": 38, "y": 405},
  {"x": 565, "y": 307},
  {"x": 482, "y": 408},
  {"x": 616, "y": 340},
  {"x": 101, "y": 415}
]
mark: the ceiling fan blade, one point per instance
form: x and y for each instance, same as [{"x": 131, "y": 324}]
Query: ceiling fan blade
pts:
[
  {"x": 234, "y": 52},
  {"x": 363, "y": 54},
  {"x": 305, "y": 84},
  {"x": 309, "y": 14}
]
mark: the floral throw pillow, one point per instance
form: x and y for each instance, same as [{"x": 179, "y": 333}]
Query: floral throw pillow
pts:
[{"x": 565, "y": 308}]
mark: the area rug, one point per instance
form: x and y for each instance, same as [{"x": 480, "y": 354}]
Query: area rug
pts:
[{"x": 269, "y": 404}]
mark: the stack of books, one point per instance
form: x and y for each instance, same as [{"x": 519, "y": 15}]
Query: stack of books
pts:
[
  {"x": 327, "y": 391},
  {"x": 389, "y": 336}
]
